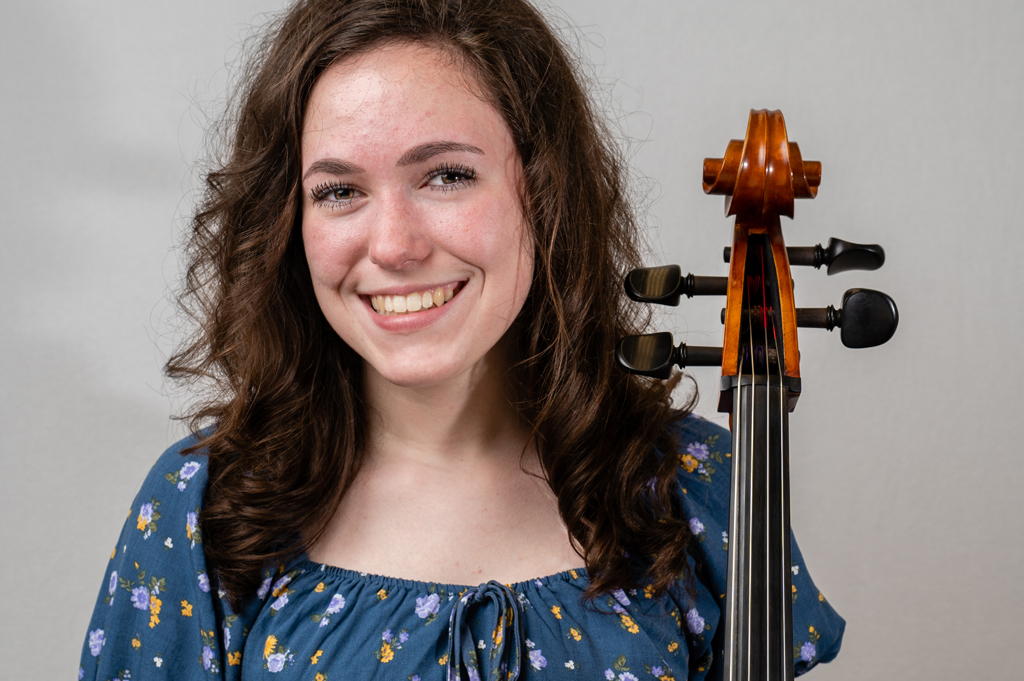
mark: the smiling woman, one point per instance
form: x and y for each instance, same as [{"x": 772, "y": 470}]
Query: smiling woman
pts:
[{"x": 406, "y": 279}]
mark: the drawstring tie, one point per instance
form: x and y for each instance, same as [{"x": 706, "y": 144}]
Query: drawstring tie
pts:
[{"x": 499, "y": 658}]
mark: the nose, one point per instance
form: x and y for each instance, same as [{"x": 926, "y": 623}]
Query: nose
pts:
[{"x": 398, "y": 236}]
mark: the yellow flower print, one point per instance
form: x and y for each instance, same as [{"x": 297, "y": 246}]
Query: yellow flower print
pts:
[
  {"x": 382, "y": 594},
  {"x": 794, "y": 593},
  {"x": 136, "y": 643},
  {"x": 575, "y": 634},
  {"x": 319, "y": 588},
  {"x": 269, "y": 646},
  {"x": 316, "y": 657},
  {"x": 821, "y": 597},
  {"x": 628, "y": 624},
  {"x": 186, "y": 609},
  {"x": 556, "y": 611},
  {"x": 386, "y": 653},
  {"x": 235, "y": 658},
  {"x": 574, "y": 575},
  {"x": 113, "y": 553},
  {"x": 443, "y": 660},
  {"x": 320, "y": 677},
  {"x": 689, "y": 463},
  {"x": 499, "y": 631},
  {"x": 672, "y": 647},
  {"x": 649, "y": 591},
  {"x": 154, "y": 610}
]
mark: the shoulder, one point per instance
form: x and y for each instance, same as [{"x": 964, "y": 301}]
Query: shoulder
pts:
[
  {"x": 171, "y": 493},
  {"x": 179, "y": 474},
  {"x": 704, "y": 450}
]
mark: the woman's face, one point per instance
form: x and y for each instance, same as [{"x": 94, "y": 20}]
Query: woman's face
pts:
[{"x": 411, "y": 218}]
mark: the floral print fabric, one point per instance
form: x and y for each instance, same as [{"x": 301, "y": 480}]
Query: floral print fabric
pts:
[{"x": 159, "y": 614}]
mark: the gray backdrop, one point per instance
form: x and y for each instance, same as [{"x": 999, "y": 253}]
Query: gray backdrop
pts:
[{"x": 905, "y": 476}]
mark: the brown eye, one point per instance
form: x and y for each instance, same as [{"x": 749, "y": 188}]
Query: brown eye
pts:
[
  {"x": 451, "y": 177},
  {"x": 333, "y": 194}
]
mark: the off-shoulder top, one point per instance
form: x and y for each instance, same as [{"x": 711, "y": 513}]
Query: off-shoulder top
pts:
[{"x": 160, "y": 615}]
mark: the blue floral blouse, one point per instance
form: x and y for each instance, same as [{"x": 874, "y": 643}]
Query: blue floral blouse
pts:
[{"x": 159, "y": 614}]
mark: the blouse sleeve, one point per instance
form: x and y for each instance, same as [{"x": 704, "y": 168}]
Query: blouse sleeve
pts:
[
  {"x": 705, "y": 452},
  {"x": 156, "y": 616}
]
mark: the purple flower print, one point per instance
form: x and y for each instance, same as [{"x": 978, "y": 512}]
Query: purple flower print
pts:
[
  {"x": 113, "y": 582},
  {"x": 81, "y": 673},
  {"x": 537, "y": 660},
  {"x": 181, "y": 486},
  {"x": 140, "y": 597},
  {"x": 403, "y": 637},
  {"x": 697, "y": 450},
  {"x": 275, "y": 662},
  {"x": 207, "y": 657},
  {"x": 620, "y": 596},
  {"x": 204, "y": 584},
  {"x": 696, "y": 526},
  {"x": 281, "y": 601},
  {"x": 626, "y": 676},
  {"x": 807, "y": 651},
  {"x": 188, "y": 470},
  {"x": 96, "y": 642},
  {"x": 261, "y": 593},
  {"x": 427, "y": 605},
  {"x": 414, "y": 677},
  {"x": 281, "y": 583},
  {"x": 146, "y": 512},
  {"x": 474, "y": 675},
  {"x": 336, "y": 604},
  {"x": 694, "y": 622},
  {"x": 657, "y": 671},
  {"x": 386, "y": 636},
  {"x": 609, "y": 674}
]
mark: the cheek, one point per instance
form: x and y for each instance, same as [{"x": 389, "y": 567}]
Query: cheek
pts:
[{"x": 330, "y": 252}]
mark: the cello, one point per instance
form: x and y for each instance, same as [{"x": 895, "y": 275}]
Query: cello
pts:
[{"x": 760, "y": 176}]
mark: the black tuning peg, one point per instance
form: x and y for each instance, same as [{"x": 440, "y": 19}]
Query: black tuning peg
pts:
[
  {"x": 867, "y": 318},
  {"x": 663, "y": 285},
  {"x": 654, "y": 355},
  {"x": 838, "y": 256}
]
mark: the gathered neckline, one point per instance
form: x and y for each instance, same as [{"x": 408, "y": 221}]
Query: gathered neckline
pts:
[{"x": 306, "y": 563}]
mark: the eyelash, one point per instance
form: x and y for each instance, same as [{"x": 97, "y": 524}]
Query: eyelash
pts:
[
  {"x": 467, "y": 173},
  {"x": 320, "y": 193}
]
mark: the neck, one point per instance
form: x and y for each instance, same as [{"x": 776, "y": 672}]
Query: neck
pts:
[{"x": 464, "y": 422}]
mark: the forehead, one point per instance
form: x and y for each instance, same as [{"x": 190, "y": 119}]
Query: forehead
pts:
[{"x": 398, "y": 93}]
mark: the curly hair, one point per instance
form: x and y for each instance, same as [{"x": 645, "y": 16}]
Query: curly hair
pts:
[{"x": 280, "y": 457}]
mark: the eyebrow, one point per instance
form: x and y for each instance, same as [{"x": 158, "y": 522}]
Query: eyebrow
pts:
[
  {"x": 430, "y": 149},
  {"x": 419, "y": 154}
]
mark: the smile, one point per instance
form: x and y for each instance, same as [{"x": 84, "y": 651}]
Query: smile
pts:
[{"x": 414, "y": 302}]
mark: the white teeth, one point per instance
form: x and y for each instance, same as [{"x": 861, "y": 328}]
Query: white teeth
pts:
[{"x": 414, "y": 302}]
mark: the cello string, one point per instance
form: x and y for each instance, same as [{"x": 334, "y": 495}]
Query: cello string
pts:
[
  {"x": 750, "y": 474},
  {"x": 766, "y": 462}
]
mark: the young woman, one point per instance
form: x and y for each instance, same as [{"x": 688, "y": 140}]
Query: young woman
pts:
[{"x": 417, "y": 460}]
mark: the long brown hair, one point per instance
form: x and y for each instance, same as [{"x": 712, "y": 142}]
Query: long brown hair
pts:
[{"x": 286, "y": 393}]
